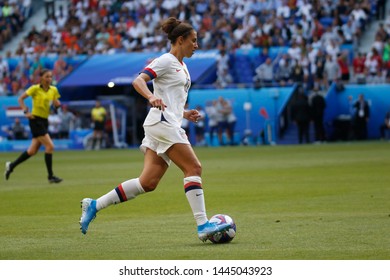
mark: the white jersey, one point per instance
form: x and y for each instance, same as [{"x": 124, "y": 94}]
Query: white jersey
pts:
[{"x": 171, "y": 82}]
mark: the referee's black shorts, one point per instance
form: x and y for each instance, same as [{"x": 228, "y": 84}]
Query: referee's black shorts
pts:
[
  {"x": 98, "y": 126},
  {"x": 39, "y": 126}
]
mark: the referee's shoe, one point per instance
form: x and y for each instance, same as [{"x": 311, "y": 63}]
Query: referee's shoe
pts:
[
  {"x": 8, "y": 170},
  {"x": 54, "y": 179}
]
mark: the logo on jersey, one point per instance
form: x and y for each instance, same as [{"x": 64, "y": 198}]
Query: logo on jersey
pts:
[{"x": 188, "y": 82}]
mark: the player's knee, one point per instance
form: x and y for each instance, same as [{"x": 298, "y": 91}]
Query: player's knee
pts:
[
  {"x": 195, "y": 169},
  {"x": 31, "y": 152},
  {"x": 49, "y": 149},
  {"x": 198, "y": 168}
]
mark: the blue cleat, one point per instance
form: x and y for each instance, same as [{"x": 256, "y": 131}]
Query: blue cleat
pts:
[
  {"x": 88, "y": 213},
  {"x": 208, "y": 229}
]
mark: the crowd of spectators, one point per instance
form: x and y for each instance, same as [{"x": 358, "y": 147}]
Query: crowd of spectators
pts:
[
  {"x": 109, "y": 26},
  {"x": 313, "y": 31},
  {"x": 316, "y": 57},
  {"x": 13, "y": 14}
]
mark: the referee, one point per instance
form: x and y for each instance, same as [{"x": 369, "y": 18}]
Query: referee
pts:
[
  {"x": 43, "y": 95},
  {"x": 98, "y": 116}
]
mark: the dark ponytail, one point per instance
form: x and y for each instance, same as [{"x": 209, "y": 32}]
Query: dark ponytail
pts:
[{"x": 176, "y": 28}]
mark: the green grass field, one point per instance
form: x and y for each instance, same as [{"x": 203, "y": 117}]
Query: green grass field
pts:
[{"x": 308, "y": 202}]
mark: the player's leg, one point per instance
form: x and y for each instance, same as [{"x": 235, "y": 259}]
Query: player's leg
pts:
[
  {"x": 185, "y": 158},
  {"x": 99, "y": 137},
  {"x": 49, "y": 149},
  {"x": 32, "y": 150},
  {"x": 154, "y": 169}
]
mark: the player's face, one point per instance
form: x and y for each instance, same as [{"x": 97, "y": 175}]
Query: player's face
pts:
[
  {"x": 191, "y": 44},
  {"x": 47, "y": 78}
]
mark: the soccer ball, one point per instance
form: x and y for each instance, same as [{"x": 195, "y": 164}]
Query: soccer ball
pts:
[{"x": 226, "y": 235}]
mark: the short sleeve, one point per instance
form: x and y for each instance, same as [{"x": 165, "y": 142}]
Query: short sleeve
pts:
[{"x": 157, "y": 67}]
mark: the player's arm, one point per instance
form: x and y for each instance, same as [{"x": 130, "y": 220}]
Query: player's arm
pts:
[
  {"x": 56, "y": 103},
  {"x": 25, "y": 109},
  {"x": 191, "y": 115},
  {"x": 140, "y": 85}
]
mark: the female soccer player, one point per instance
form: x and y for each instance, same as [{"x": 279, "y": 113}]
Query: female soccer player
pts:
[
  {"x": 164, "y": 140},
  {"x": 43, "y": 95}
]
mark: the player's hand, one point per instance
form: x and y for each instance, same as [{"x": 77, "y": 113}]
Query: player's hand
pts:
[
  {"x": 29, "y": 116},
  {"x": 157, "y": 103},
  {"x": 192, "y": 115}
]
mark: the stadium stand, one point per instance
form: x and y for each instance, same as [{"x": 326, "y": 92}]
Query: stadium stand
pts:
[
  {"x": 108, "y": 27},
  {"x": 288, "y": 30}
]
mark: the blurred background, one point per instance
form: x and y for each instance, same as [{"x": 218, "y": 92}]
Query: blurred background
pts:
[{"x": 291, "y": 71}]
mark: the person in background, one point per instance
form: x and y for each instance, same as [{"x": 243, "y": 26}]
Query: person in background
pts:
[
  {"x": 164, "y": 140},
  {"x": 224, "y": 79},
  {"x": 54, "y": 124},
  {"x": 199, "y": 127},
  {"x": 43, "y": 96},
  {"x": 342, "y": 61},
  {"x": 212, "y": 115},
  {"x": 358, "y": 68},
  {"x": 385, "y": 125},
  {"x": 222, "y": 114},
  {"x": 301, "y": 116},
  {"x": 4, "y": 88},
  {"x": 331, "y": 70},
  {"x": 68, "y": 120},
  {"x": 109, "y": 131},
  {"x": 264, "y": 74},
  {"x": 231, "y": 121},
  {"x": 318, "y": 105},
  {"x": 49, "y": 8},
  {"x": 360, "y": 118},
  {"x": 98, "y": 115},
  {"x": 17, "y": 131}
]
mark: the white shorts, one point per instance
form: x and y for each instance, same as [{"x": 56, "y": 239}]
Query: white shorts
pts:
[{"x": 161, "y": 136}]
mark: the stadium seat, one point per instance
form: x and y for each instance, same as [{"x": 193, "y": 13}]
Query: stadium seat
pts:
[{"x": 326, "y": 21}]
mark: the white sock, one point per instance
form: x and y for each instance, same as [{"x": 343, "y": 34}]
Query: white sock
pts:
[
  {"x": 194, "y": 193},
  {"x": 124, "y": 192}
]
